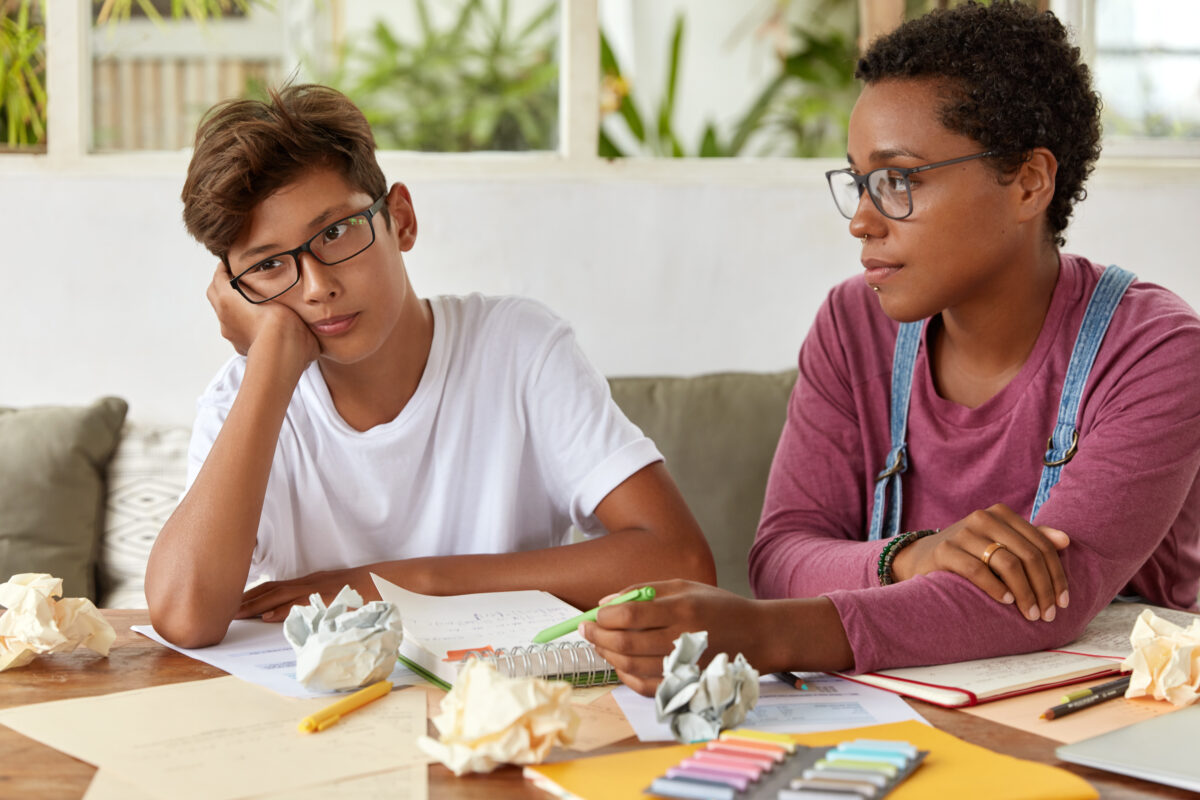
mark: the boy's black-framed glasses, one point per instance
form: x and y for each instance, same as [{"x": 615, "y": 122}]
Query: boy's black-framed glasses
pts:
[
  {"x": 888, "y": 187},
  {"x": 336, "y": 242}
]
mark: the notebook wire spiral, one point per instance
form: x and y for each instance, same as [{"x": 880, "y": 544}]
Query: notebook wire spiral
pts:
[{"x": 576, "y": 662}]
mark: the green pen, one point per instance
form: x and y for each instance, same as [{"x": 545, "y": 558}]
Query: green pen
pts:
[{"x": 563, "y": 628}]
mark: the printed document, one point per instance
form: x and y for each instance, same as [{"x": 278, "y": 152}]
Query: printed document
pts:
[
  {"x": 256, "y": 651},
  {"x": 829, "y": 703}
]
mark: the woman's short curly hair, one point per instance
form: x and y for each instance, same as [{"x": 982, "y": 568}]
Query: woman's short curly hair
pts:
[{"x": 1013, "y": 81}]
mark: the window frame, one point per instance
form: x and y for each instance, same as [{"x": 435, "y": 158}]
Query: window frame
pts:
[
  {"x": 69, "y": 125},
  {"x": 1079, "y": 16}
]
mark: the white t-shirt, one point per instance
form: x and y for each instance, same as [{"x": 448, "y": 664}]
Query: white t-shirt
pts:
[{"x": 510, "y": 438}]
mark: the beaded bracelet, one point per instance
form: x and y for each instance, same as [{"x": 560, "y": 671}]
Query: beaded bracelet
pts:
[{"x": 894, "y": 546}]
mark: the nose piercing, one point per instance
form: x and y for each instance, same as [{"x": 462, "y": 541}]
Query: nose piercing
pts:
[{"x": 865, "y": 236}]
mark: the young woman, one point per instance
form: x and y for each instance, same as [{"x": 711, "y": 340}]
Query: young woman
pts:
[{"x": 915, "y": 512}]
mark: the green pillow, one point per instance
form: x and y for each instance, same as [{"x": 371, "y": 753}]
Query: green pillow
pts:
[
  {"x": 52, "y": 465},
  {"x": 718, "y": 435}
]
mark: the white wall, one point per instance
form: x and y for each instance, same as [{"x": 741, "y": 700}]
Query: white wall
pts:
[{"x": 690, "y": 270}]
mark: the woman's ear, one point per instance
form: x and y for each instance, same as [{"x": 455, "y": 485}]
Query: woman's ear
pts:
[
  {"x": 401, "y": 215},
  {"x": 1035, "y": 182}
]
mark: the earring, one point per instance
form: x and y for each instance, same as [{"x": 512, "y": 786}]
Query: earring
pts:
[{"x": 865, "y": 236}]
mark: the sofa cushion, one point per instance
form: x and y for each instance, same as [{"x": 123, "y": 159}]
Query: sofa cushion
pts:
[
  {"x": 718, "y": 435},
  {"x": 52, "y": 469},
  {"x": 145, "y": 481}
]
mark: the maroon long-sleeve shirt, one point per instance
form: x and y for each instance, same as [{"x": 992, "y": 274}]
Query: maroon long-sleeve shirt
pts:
[{"x": 1129, "y": 500}]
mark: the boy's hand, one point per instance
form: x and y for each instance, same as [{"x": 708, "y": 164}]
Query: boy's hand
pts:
[
  {"x": 243, "y": 323},
  {"x": 274, "y": 599},
  {"x": 634, "y": 637},
  {"x": 1025, "y": 569}
]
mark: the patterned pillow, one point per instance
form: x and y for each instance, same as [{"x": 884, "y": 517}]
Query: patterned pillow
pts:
[{"x": 145, "y": 482}]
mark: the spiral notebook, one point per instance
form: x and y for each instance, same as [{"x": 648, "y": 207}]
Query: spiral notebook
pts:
[{"x": 440, "y": 633}]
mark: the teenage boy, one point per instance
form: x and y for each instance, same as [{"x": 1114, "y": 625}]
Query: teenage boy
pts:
[{"x": 445, "y": 444}]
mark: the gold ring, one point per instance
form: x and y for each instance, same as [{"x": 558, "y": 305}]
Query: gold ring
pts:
[{"x": 991, "y": 551}]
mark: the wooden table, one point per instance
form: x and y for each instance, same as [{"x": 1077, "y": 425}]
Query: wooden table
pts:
[{"x": 29, "y": 769}]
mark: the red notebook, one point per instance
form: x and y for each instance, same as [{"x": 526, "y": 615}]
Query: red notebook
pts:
[{"x": 1096, "y": 653}]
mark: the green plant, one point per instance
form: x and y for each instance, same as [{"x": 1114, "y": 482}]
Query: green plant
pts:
[
  {"x": 23, "y": 55},
  {"x": 802, "y": 111},
  {"x": 805, "y": 110},
  {"x": 198, "y": 10},
  {"x": 475, "y": 84},
  {"x": 22, "y": 73},
  {"x": 660, "y": 139}
]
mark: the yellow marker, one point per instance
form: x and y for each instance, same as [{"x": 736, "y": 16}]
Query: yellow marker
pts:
[
  {"x": 1075, "y": 695},
  {"x": 746, "y": 734},
  {"x": 330, "y": 714}
]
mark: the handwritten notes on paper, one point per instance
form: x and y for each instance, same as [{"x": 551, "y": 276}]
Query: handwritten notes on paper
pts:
[
  {"x": 1108, "y": 633},
  {"x": 166, "y": 739},
  {"x": 472, "y": 621},
  {"x": 435, "y": 626}
]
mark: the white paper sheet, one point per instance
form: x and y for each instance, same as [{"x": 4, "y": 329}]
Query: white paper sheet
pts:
[
  {"x": 257, "y": 652},
  {"x": 829, "y": 703}
]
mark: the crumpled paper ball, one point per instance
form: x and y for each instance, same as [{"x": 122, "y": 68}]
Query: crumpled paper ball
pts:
[
  {"x": 37, "y": 622},
  {"x": 489, "y": 719},
  {"x": 1165, "y": 660},
  {"x": 346, "y": 645},
  {"x": 699, "y": 705}
]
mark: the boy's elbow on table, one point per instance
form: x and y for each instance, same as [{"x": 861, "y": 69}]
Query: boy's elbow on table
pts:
[{"x": 187, "y": 624}]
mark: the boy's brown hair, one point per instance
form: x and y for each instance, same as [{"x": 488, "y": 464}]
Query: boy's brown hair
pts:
[{"x": 247, "y": 149}]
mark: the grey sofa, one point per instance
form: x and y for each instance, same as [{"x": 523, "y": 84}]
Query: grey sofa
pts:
[
  {"x": 718, "y": 435},
  {"x": 83, "y": 493}
]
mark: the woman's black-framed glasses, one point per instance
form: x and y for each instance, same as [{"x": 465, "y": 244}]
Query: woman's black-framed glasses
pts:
[
  {"x": 888, "y": 187},
  {"x": 336, "y": 242}
]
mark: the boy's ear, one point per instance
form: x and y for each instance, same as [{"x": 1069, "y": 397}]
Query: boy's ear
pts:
[
  {"x": 401, "y": 215},
  {"x": 1035, "y": 183}
]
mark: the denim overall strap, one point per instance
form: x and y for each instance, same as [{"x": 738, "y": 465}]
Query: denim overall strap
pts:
[
  {"x": 885, "y": 517},
  {"x": 1064, "y": 440}
]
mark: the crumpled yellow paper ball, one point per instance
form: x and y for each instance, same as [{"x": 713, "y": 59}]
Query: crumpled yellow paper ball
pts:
[
  {"x": 38, "y": 622},
  {"x": 1165, "y": 660},
  {"x": 489, "y": 719}
]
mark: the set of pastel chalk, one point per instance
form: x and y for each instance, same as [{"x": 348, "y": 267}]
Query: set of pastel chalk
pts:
[{"x": 754, "y": 765}]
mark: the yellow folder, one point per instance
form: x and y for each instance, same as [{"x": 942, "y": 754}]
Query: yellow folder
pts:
[{"x": 953, "y": 768}]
